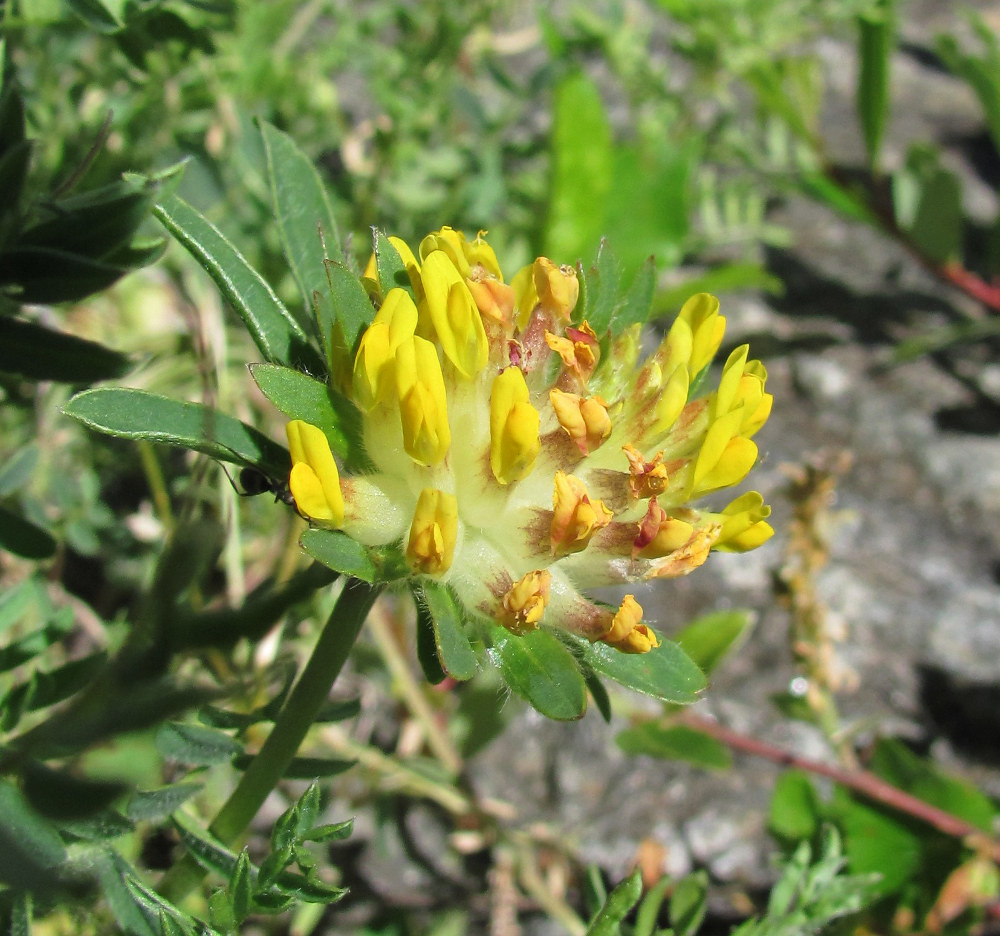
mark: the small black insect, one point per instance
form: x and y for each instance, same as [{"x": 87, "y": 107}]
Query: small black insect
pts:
[{"x": 254, "y": 482}]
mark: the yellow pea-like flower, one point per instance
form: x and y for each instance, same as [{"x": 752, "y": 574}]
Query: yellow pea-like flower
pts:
[
  {"x": 314, "y": 480},
  {"x": 423, "y": 403},
  {"x": 430, "y": 548},
  {"x": 514, "y": 442},
  {"x": 452, "y": 311}
]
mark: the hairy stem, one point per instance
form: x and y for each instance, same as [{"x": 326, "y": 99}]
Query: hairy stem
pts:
[{"x": 296, "y": 717}]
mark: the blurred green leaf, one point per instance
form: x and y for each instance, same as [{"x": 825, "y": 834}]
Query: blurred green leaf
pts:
[
  {"x": 137, "y": 414},
  {"x": 47, "y": 687},
  {"x": 60, "y": 795},
  {"x": 981, "y": 73},
  {"x": 454, "y": 650},
  {"x": 876, "y": 29},
  {"x": 103, "y": 15},
  {"x": 119, "y": 890},
  {"x": 300, "y": 396},
  {"x": 896, "y": 763},
  {"x": 196, "y": 745},
  {"x": 41, "y": 275},
  {"x": 689, "y": 903},
  {"x": 619, "y": 903},
  {"x": 598, "y": 693},
  {"x": 303, "y": 768},
  {"x": 30, "y": 848},
  {"x": 24, "y": 538},
  {"x": 541, "y": 670},
  {"x": 666, "y": 672},
  {"x": 99, "y": 827},
  {"x": 333, "y": 832},
  {"x": 875, "y": 842},
  {"x": 211, "y": 854},
  {"x": 710, "y": 638},
  {"x": 795, "y": 808},
  {"x": 276, "y": 333},
  {"x": 635, "y": 304},
  {"x": 927, "y": 202},
  {"x": 19, "y": 651},
  {"x": 39, "y": 353},
  {"x": 675, "y": 742},
  {"x": 582, "y": 169}
]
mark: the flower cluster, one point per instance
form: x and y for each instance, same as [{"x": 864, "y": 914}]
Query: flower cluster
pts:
[{"x": 521, "y": 457}]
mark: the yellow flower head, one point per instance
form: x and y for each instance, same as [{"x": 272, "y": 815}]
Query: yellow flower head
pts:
[{"x": 510, "y": 461}]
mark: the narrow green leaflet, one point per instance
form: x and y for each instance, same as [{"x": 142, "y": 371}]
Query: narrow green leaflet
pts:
[
  {"x": 582, "y": 169},
  {"x": 337, "y": 551},
  {"x": 158, "y": 804},
  {"x": 26, "y": 272},
  {"x": 40, "y": 353},
  {"x": 603, "y": 280},
  {"x": 453, "y": 647},
  {"x": 303, "y": 211},
  {"x": 689, "y": 903},
  {"x": 276, "y": 333},
  {"x": 138, "y": 414},
  {"x": 354, "y": 310},
  {"x": 666, "y": 672},
  {"x": 711, "y": 637},
  {"x": 24, "y": 538},
  {"x": 391, "y": 269},
  {"x": 635, "y": 304},
  {"x": 675, "y": 742},
  {"x": 427, "y": 653},
  {"x": 196, "y": 745},
  {"x": 300, "y": 396},
  {"x": 101, "y": 15},
  {"x": 875, "y": 42},
  {"x": 541, "y": 670}
]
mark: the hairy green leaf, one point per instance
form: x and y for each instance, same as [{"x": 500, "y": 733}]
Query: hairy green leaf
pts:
[
  {"x": 196, "y": 745},
  {"x": 275, "y": 331},
  {"x": 666, "y": 672},
  {"x": 138, "y": 414}
]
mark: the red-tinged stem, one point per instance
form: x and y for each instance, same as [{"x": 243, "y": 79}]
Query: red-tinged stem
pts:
[
  {"x": 971, "y": 284},
  {"x": 861, "y": 781}
]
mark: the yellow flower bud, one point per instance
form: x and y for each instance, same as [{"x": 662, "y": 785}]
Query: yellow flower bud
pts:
[
  {"x": 585, "y": 419},
  {"x": 394, "y": 322},
  {"x": 557, "y": 287},
  {"x": 423, "y": 405},
  {"x": 701, "y": 314},
  {"x": 525, "y": 601},
  {"x": 481, "y": 254},
  {"x": 514, "y": 442},
  {"x": 452, "y": 244},
  {"x": 627, "y": 632},
  {"x": 743, "y": 525},
  {"x": 576, "y": 518},
  {"x": 433, "y": 533},
  {"x": 453, "y": 314},
  {"x": 525, "y": 296},
  {"x": 314, "y": 480}
]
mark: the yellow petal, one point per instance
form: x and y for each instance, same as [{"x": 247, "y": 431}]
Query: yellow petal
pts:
[
  {"x": 576, "y": 518},
  {"x": 423, "y": 404},
  {"x": 430, "y": 548},
  {"x": 314, "y": 480},
  {"x": 454, "y": 315},
  {"x": 525, "y": 601},
  {"x": 627, "y": 633},
  {"x": 514, "y": 441},
  {"x": 557, "y": 287}
]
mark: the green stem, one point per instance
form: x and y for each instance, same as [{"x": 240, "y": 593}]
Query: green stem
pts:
[{"x": 296, "y": 717}]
